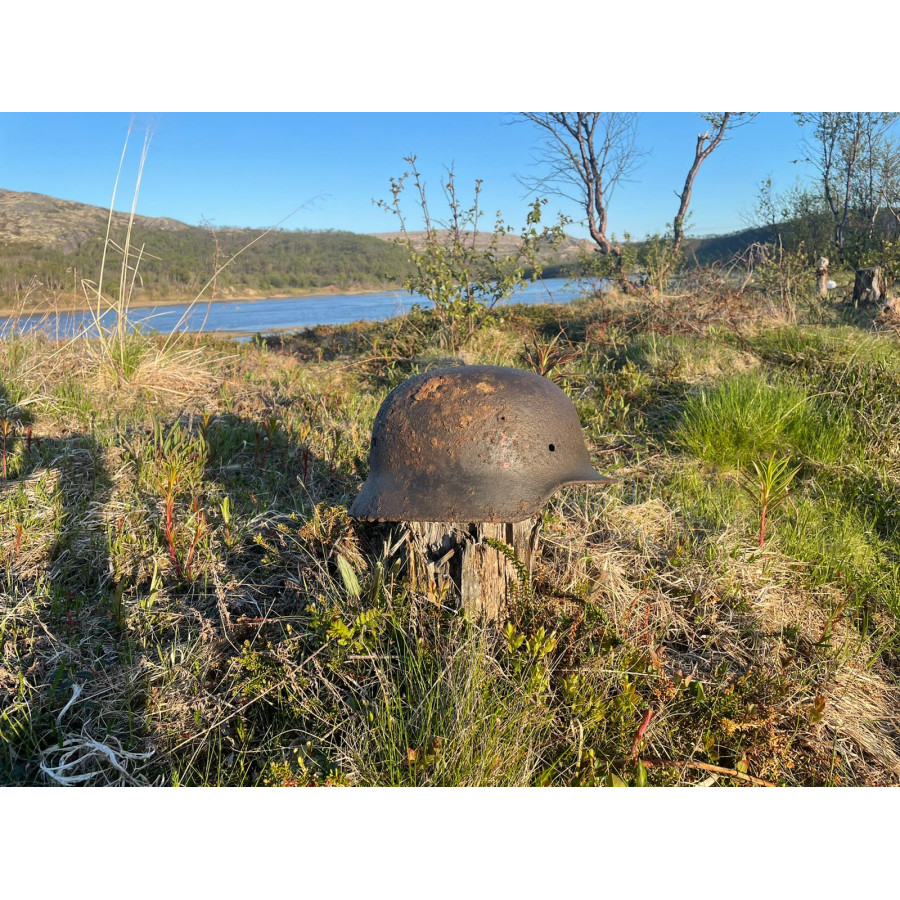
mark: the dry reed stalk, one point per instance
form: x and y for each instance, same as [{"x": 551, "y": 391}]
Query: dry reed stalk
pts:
[{"x": 706, "y": 767}]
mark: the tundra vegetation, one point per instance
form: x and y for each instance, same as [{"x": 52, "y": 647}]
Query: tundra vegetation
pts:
[{"x": 185, "y": 600}]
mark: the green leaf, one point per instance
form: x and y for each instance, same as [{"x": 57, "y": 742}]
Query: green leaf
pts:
[
  {"x": 348, "y": 576},
  {"x": 640, "y": 775}
]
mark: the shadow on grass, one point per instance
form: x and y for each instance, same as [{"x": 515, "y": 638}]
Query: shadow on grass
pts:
[
  {"x": 58, "y": 597},
  {"x": 91, "y": 635}
]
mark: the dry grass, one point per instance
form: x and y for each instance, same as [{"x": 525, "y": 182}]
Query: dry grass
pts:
[{"x": 724, "y": 612}]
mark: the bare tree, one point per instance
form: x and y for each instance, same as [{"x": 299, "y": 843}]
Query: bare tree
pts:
[
  {"x": 834, "y": 151},
  {"x": 721, "y": 124},
  {"x": 876, "y": 183},
  {"x": 857, "y": 165},
  {"x": 585, "y": 155}
]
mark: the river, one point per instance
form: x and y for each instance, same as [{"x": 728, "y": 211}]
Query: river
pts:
[{"x": 276, "y": 314}]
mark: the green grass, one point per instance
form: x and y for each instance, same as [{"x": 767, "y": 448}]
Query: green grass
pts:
[
  {"x": 831, "y": 407},
  {"x": 750, "y": 416}
]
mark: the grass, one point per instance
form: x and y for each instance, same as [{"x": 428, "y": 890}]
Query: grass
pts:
[
  {"x": 749, "y": 416},
  {"x": 186, "y": 601}
]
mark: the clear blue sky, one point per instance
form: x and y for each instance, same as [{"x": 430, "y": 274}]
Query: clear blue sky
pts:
[{"x": 253, "y": 169}]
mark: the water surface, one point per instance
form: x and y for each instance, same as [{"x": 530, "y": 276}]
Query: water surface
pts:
[{"x": 276, "y": 314}]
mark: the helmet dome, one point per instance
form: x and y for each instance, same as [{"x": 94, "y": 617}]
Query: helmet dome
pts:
[{"x": 472, "y": 444}]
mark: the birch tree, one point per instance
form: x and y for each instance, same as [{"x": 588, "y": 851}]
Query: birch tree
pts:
[{"x": 584, "y": 157}]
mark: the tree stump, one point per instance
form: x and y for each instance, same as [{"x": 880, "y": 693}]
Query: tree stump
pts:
[
  {"x": 869, "y": 285},
  {"x": 822, "y": 276},
  {"x": 458, "y": 558}
]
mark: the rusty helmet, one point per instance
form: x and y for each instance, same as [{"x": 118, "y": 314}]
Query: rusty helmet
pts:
[{"x": 472, "y": 444}]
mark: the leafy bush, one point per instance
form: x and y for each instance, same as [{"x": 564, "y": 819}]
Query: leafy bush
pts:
[{"x": 464, "y": 277}]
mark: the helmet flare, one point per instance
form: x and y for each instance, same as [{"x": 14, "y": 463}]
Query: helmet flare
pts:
[{"x": 472, "y": 444}]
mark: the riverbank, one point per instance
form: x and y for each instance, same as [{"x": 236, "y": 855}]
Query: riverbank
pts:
[{"x": 69, "y": 304}]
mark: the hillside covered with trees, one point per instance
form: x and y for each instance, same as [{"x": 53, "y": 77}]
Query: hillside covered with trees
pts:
[{"x": 49, "y": 248}]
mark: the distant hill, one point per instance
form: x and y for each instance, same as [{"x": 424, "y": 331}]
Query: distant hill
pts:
[
  {"x": 562, "y": 259},
  {"x": 38, "y": 220},
  {"x": 567, "y": 251},
  {"x": 48, "y": 246}
]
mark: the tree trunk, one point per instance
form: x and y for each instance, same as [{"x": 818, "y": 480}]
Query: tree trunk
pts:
[
  {"x": 869, "y": 285},
  {"x": 456, "y": 558},
  {"x": 706, "y": 143}
]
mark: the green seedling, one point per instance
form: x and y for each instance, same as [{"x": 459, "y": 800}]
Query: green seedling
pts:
[
  {"x": 549, "y": 358},
  {"x": 206, "y": 420},
  {"x": 348, "y": 576},
  {"x": 768, "y": 486}
]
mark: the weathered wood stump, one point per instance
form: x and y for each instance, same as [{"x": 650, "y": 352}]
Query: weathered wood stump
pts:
[
  {"x": 869, "y": 285},
  {"x": 822, "y": 276},
  {"x": 469, "y": 563}
]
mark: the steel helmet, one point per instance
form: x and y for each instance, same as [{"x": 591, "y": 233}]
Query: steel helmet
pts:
[{"x": 472, "y": 444}]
